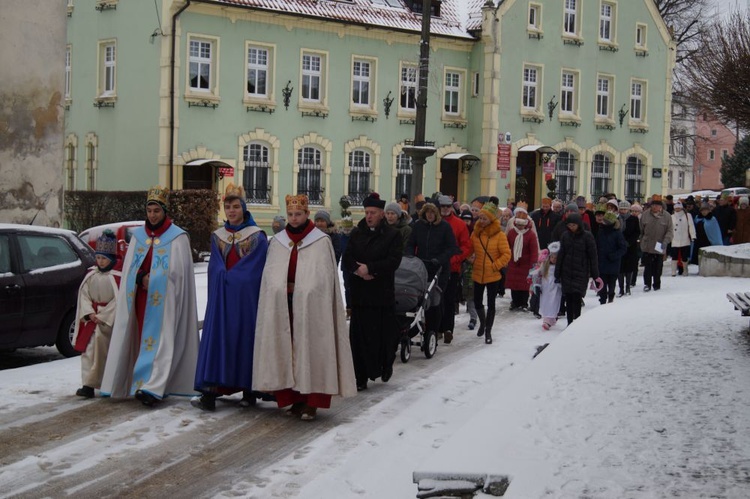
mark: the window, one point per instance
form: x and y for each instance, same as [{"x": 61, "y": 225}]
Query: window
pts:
[
  {"x": 256, "y": 175},
  {"x": 530, "y": 87},
  {"x": 713, "y": 132},
  {"x": 408, "y": 88},
  {"x": 565, "y": 173},
  {"x": 475, "y": 84},
  {"x": 359, "y": 176},
  {"x": 68, "y": 72},
  {"x": 606, "y": 19},
  {"x": 361, "y": 83},
  {"x": 711, "y": 154},
  {"x": 640, "y": 36},
  {"x": 600, "y": 175},
  {"x": 567, "y": 93},
  {"x": 634, "y": 178},
  {"x": 258, "y": 59},
  {"x": 636, "y": 101},
  {"x": 678, "y": 144},
  {"x": 41, "y": 252},
  {"x": 535, "y": 17},
  {"x": 312, "y": 75},
  {"x": 403, "y": 174},
  {"x": 200, "y": 65},
  {"x": 90, "y": 167},
  {"x": 452, "y": 92},
  {"x": 310, "y": 177},
  {"x": 681, "y": 180},
  {"x": 603, "y": 105},
  {"x": 107, "y": 69},
  {"x": 570, "y": 25},
  {"x": 724, "y": 154},
  {"x": 70, "y": 166}
]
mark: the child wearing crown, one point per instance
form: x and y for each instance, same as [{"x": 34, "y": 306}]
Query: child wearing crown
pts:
[
  {"x": 95, "y": 314},
  {"x": 238, "y": 254}
]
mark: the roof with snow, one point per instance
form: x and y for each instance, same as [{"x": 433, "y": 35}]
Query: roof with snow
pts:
[{"x": 457, "y": 17}]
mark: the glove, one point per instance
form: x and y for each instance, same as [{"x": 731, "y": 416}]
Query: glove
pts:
[{"x": 597, "y": 284}]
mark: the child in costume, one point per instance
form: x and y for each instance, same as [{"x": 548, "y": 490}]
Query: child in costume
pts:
[
  {"x": 551, "y": 291},
  {"x": 95, "y": 315}
]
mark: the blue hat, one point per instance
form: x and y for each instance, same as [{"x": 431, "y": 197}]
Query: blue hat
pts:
[{"x": 106, "y": 245}]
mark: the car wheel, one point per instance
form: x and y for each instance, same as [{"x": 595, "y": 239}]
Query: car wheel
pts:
[{"x": 65, "y": 335}]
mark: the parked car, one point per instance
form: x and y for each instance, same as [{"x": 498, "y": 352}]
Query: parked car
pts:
[
  {"x": 736, "y": 192},
  {"x": 40, "y": 272},
  {"x": 123, "y": 231},
  {"x": 705, "y": 194}
]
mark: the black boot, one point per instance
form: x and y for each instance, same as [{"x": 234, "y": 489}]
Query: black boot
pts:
[
  {"x": 488, "y": 327},
  {"x": 85, "y": 391},
  {"x": 480, "y": 315},
  {"x": 205, "y": 402}
]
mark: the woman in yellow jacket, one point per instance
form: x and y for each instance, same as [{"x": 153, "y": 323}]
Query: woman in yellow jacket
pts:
[{"x": 491, "y": 254}]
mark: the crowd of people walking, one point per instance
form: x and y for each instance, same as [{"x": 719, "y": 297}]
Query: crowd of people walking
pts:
[{"x": 278, "y": 327}]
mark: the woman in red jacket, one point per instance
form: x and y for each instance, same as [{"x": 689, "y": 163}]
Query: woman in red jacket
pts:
[{"x": 524, "y": 247}]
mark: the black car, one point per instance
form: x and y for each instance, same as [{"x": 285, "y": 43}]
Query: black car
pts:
[{"x": 40, "y": 272}]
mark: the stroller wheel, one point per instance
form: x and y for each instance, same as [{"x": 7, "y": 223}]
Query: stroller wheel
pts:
[
  {"x": 430, "y": 344},
  {"x": 405, "y": 351}
]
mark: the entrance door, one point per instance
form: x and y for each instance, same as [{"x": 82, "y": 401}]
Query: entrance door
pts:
[
  {"x": 449, "y": 180},
  {"x": 198, "y": 176},
  {"x": 526, "y": 178}
]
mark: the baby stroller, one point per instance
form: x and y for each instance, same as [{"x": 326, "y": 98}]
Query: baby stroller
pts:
[{"x": 415, "y": 293}]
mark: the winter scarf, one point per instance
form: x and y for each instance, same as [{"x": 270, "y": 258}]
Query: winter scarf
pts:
[{"x": 518, "y": 243}]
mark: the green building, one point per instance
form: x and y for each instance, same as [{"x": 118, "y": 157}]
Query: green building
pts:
[{"x": 320, "y": 97}]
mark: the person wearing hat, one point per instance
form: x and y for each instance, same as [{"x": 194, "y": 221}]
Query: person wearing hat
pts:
[
  {"x": 95, "y": 313},
  {"x": 433, "y": 242},
  {"x": 491, "y": 254},
  {"x": 577, "y": 261},
  {"x": 323, "y": 222},
  {"x": 467, "y": 269},
  {"x": 741, "y": 234},
  {"x": 707, "y": 232},
  {"x": 156, "y": 310},
  {"x": 545, "y": 221},
  {"x": 302, "y": 353},
  {"x": 450, "y": 292},
  {"x": 727, "y": 217},
  {"x": 403, "y": 202},
  {"x": 225, "y": 358},
  {"x": 524, "y": 254},
  {"x": 278, "y": 224},
  {"x": 631, "y": 231},
  {"x": 399, "y": 220},
  {"x": 610, "y": 247},
  {"x": 372, "y": 256},
  {"x": 551, "y": 291},
  {"x": 684, "y": 235},
  {"x": 560, "y": 228},
  {"x": 656, "y": 235}
]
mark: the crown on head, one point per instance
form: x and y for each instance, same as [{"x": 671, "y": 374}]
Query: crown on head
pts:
[
  {"x": 297, "y": 202},
  {"x": 106, "y": 243},
  {"x": 234, "y": 191},
  {"x": 158, "y": 194}
]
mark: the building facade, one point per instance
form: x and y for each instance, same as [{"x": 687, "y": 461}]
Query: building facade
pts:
[
  {"x": 714, "y": 141},
  {"x": 320, "y": 97},
  {"x": 682, "y": 147}
]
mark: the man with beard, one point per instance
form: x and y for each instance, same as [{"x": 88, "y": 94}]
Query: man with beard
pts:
[{"x": 373, "y": 255}]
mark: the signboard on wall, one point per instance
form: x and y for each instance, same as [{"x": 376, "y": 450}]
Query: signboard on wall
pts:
[
  {"x": 503, "y": 157},
  {"x": 226, "y": 171},
  {"x": 549, "y": 167}
]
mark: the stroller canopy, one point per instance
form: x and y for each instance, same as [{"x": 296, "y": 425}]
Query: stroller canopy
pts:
[{"x": 411, "y": 282}]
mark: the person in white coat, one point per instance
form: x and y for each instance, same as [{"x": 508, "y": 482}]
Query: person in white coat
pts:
[{"x": 684, "y": 235}]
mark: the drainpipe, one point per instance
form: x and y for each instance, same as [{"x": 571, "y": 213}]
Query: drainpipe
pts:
[{"x": 171, "y": 93}]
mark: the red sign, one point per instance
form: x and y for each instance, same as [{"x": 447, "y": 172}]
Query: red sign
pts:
[
  {"x": 549, "y": 167},
  {"x": 503, "y": 157},
  {"x": 547, "y": 177},
  {"x": 226, "y": 171}
]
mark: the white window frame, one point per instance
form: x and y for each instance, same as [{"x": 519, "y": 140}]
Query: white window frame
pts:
[
  {"x": 604, "y": 95},
  {"x": 712, "y": 154},
  {"x": 641, "y": 36},
  {"x": 475, "y": 84},
  {"x": 404, "y": 174},
  {"x": 534, "y": 18},
  {"x": 199, "y": 93},
  {"x": 360, "y": 165},
  {"x": 607, "y": 23},
  {"x": 531, "y": 89},
  {"x": 307, "y": 171},
  {"x": 638, "y": 95},
  {"x": 408, "y": 78},
  {"x": 569, "y": 93},
  {"x": 256, "y": 68},
  {"x": 635, "y": 167},
  {"x": 91, "y": 145},
  {"x": 602, "y": 178},
  {"x": 71, "y": 162},
  {"x": 680, "y": 179},
  {"x": 454, "y": 89},
  {"x": 107, "y": 73},
  {"x": 359, "y": 80},
  {"x": 254, "y": 169},
  {"x": 565, "y": 173},
  {"x": 313, "y": 66},
  {"x": 571, "y": 18},
  {"x": 68, "y": 74}
]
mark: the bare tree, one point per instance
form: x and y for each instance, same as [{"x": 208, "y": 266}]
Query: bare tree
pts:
[
  {"x": 687, "y": 21},
  {"x": 718, "y": 78}
]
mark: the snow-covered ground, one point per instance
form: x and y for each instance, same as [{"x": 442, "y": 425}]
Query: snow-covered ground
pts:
[{"x": 645, "y": 397}]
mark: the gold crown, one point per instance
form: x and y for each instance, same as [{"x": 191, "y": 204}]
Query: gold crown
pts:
[
  {"x": 158, "y": 194},
  {"x": 234, "y": 191},
  {"x": 298, "y": 202}
]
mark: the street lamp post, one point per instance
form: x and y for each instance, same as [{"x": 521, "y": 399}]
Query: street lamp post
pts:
[{"x": 419, "y": 150}]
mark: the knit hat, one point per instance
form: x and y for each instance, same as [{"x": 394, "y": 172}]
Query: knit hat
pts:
[
  {"x": 610, "y": 218},
  {"x": 636, "y": 207},
  {"x": 571, "y": 208},
  {"x": 554, "y": 247},
  {"x": 600, "y": 208},
  {"x": 623, "y": 205},
  {"x": 466, "y": 215},
  {"x": 106, "y": 245},
  {"x": 373, "y": 201},
  {"x": 323, "y": 215},
  {"x": 489, "y": 210},
  {"x": 394, "y": 207},
  {"x": 444, "y": 201},
  {"x": 705, "y": 206},
  {"x": 743, "y": 200},
  {"x": 519, "y": 210},
  {"x": 614, "y": 203},
  {"x": 581, "y": 202}
]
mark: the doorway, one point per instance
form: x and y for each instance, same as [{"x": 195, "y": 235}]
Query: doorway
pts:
[
  {"x": 449, "y": 177},
  {"x": 198, "y": 176},
  {"x": 526, "y": 165}
]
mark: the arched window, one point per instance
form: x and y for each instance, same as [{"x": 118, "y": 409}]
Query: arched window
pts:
[
  {"x": 600, "y": 169},
  {"x": 565, "y": 174},
  {"x": 403, "y": 174},
  {"x": 310, "y": 178},
  {"x": 634, "y": 178},
  {"x": 359, "y": 176},
  {"x": 255, "y": 179}
]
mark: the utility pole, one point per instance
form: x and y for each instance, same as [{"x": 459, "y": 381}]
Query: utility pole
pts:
[{"x": 419, "y": 150}]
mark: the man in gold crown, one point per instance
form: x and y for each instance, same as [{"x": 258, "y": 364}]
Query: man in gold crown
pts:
[
  {"x": 154, "y": 345},
  {"x": 238, "y": 253},
  {"x": 302, "y": 352}
]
